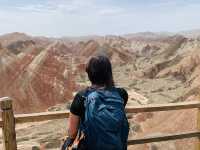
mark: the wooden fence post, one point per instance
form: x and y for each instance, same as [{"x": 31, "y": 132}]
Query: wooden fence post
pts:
[
  {"x": 198, "y": 128},
  {"x": 8, "y": 129}
]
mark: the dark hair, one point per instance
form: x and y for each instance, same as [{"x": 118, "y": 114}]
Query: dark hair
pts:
[{"x": 99, "y": 71}]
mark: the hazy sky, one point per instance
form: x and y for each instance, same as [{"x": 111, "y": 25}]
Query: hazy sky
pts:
[{"x": 87, "y": 17}]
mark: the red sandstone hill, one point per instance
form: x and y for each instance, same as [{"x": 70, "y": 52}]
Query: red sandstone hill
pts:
[
  {"x": 38, "y": 73},
  {"x": 34, "y": 77},
  {"x": 32, "y": 72},
  {"x": 13, "y": 37}
]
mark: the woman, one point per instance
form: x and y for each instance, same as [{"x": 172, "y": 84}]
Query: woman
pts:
[{"x": 98, "y": 111}]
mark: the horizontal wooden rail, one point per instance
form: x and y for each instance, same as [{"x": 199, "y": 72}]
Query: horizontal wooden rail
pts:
[
  {"x": 36, "y": 117},
  {"x": 164, "y": 138},
  {"x": 163, "y": 107}
]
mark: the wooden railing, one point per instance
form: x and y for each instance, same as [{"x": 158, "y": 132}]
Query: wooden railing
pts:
[{"x": 9, "y": 120}]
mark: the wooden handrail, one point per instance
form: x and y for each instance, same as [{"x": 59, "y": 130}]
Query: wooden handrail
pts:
[
  {"x": 36, "y": 117},
  {"x": 164, "y": 138},
  {"x": 163, "y": 107}
]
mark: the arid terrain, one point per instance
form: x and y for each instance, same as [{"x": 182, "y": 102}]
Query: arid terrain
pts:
[{"x": 42, "y": 74}]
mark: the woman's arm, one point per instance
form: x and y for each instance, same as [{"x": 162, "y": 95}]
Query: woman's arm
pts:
[
  {"x": 76, "y": 111},
  {"x": 73, "y": 125}
]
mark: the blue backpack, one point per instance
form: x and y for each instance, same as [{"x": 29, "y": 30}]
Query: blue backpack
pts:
[{"x": 105, "y": 124}]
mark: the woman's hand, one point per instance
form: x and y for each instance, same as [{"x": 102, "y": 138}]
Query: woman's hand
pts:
[{"x": 67, "y": 143}]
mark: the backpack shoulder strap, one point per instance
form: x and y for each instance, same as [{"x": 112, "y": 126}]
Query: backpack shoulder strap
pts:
[{"x": 84, "y": 93}]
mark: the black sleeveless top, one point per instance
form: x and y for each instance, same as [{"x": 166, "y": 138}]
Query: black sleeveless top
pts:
[{"x": 77, "y": 106}]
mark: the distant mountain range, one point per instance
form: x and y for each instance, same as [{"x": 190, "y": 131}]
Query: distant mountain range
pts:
[{"x": 148, "y": 35}]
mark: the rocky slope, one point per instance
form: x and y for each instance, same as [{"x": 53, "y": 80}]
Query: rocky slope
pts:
[
  {"x": 41, "y": 72},
  {"x": 33, "y": 76}
]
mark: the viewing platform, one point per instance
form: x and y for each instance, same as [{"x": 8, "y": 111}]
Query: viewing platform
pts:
[{"x": 9, "y": 121}]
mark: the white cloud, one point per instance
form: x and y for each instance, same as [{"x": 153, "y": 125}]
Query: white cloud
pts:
[
  {"x": 165, "y": 3},
  {"x": 81, "y": 17},
  {"x": 34, "y": 8},
  {"x": 111, "y": 11},
  {"x": 74, "y": 6}
]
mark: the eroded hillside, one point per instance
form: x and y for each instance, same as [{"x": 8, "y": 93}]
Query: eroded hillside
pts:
[{"x": 39, "y": 72}]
